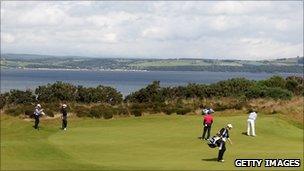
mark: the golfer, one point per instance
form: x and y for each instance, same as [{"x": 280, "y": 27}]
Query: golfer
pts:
[
  {"x": 207, "y": 110},
  {"x": 64, "y": 112},
  {"x": 37, "y": 113},
  {"x": 251, "y": 123},
  {"x": 224, "y": 135},
  {"x": 208, "y": 120}
]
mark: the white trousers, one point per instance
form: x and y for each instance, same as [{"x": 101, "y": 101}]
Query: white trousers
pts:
[{"x": 250, "y": 125}]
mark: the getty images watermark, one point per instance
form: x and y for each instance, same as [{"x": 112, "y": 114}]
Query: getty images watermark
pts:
[{"x": 267, "y": 162}]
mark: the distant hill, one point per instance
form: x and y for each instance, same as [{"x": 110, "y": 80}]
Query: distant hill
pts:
[{"x": 292, "y": 65}]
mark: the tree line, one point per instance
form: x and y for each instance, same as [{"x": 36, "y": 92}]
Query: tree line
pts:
[{"x": 104, "y": 101}]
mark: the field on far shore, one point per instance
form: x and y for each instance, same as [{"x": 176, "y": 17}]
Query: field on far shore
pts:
[{"x": 153, "y": 142}]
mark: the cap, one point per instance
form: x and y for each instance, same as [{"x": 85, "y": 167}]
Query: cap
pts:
[
  {"x": 38, "y": 105},
  {"x": 229, "y": 125},
  {"x": 64, "y": 105}
]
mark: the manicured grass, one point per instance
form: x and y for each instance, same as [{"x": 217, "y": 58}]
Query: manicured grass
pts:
[{"x": 154, "y": 142}]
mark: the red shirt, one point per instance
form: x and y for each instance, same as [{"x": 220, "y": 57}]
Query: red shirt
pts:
[{"x": 208, "y": 119}]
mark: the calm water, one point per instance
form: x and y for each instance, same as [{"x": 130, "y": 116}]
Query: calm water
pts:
[{"x": 125, "y": 82}]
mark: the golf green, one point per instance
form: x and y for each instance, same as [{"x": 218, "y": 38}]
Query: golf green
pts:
[{"x": 154, "y": 142}]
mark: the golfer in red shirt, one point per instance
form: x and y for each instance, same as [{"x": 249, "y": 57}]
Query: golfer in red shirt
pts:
[{"x": 208, "y": 120}]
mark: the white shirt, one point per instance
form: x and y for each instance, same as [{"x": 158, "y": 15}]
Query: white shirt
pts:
[
  {"x": 38, "y": 112},
  {"x": 252, "y": 116}
]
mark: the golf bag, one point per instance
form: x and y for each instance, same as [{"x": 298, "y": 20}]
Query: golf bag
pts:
[{"x": 214, "y": 141}]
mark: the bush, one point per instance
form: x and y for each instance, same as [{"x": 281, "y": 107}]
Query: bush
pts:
[
  {"x": 14, "y": 111},
  {"x": 278, "y": 93},
  {"x": 169, "y": 110},
  {"x": 274, "y": 81},
  {"x": 256, "y": 92},
  {"x": 101, "y": 94},
  {"x": 49, "y": 112},
  {"x": 136, "y": 112},
  {"x": 19, "y": 110},
  {"x": 96, "y": 111},
  {"x": 3, "y": 99},
  {"x": 121, "y": 110},
  {"x": 58, "y": 91},
  {"x": 81, "y": 111},
  {"x": 21, "y": 97},
  {"x": 108, "y": 113},
  {"x": 29, "y": 113},
  {"x": 270, "y": 92},
  {"x": 183, "y": 111}
]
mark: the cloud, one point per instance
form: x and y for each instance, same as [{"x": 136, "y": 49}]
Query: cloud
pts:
[
  {"x": 160, "y": 29},
  {"x": 7, "y": 38}
]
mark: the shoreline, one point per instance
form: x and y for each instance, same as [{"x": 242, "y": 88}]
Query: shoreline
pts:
[{"x": 134, "y": 70}]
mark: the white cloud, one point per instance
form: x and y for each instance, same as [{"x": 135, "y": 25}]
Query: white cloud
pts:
[
  {"x": 7, "y": 38},
  {"x": 222, "y": 29}
]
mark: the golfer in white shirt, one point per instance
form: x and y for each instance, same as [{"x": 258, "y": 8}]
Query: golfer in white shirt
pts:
[{"x": 250, "y": 123}]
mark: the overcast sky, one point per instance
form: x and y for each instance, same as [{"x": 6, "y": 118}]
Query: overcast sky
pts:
[{"x": 223, "y": 30}]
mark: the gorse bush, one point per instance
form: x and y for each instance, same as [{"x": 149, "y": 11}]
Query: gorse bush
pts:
[
  {"x": 17, "y": 110},
  {"x": 81, "y": 111},
  {"x": 100, "y": 94},
  {"x": 278, "y": 93},
  {"x": 21, "y": 97},
  {"x": 107, "y": 102},
  {"x": 58, "y": 91},
  {"x": 3, "y": 99}
]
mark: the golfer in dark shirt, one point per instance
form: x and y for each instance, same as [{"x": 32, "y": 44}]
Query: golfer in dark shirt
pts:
[
  {"x": 64, "y": 116},
  {"x": 224, "y": 134}
]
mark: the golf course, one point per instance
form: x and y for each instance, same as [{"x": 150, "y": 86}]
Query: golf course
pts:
[{"x": 152, "y": 142}]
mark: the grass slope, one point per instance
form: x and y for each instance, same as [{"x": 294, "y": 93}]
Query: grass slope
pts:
[{"x": 147, "y": 143}]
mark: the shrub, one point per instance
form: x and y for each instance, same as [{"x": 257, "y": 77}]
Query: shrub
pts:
[
  {"x": 81, "y": 111},
  {"x": 19, "y": 110},
  {"x": 136, "y": 112},
  {"x": 108, "y": 113},
  {"x": 13, "y": 111},
  {"x": 29, "y": 113},
  {"x": 96, "y": 111},
  {"x": 58, "y": 91},
  {"x": 3, "y": 99},
  {"x": 169, "y": 110},
  {"x": 183, "y": 111},
  {"x": 49, "y": 112},
  {"x": 274, "y": 81},
  {"x": 121, "y": 110},
  {"x": 256, "y": 92},
  {"x": 270, "y": 92},
  {"x": 101, "y": 94},
  {"x": 295, "y": 85},
  {"x": 150, "y": 94},
  {"x": 278, "y": 93},
  {"x": 21, "y": 97}
]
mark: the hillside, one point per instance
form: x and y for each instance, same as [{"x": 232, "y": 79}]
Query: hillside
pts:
[{"x": 292, "y": 65}]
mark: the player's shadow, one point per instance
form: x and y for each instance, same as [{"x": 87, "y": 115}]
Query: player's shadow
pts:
[
  {"x": 210, "y": 160},
  {"x": 244, "y": 133}
]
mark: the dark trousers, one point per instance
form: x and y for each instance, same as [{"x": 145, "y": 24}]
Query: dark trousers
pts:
[
  {"x": 222, "y": 149},
  {"x": 64, "y": 122},
  {"x": 36, "y": 121},
  {"x": 206, "y": 129}
]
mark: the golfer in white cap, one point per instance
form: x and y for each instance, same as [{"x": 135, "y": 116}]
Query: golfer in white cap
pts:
[
  {"x": 224, "y": 134},
  {"x": 37, "y": 113},
  {"x": 64, "y": 116}
]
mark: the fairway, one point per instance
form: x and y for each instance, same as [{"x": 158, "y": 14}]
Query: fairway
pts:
[{"x": 154, "y": 142}]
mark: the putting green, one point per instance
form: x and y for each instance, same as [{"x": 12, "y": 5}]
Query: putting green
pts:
[{"x": 154, "y": 142}]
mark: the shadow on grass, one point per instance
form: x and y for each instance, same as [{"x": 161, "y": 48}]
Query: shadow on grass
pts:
[
  {"x": 244, "y": 133},
  {"x": 210, "y": 160}
]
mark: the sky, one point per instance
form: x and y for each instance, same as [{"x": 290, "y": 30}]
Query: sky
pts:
[{"x": 248, "y": 30}]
